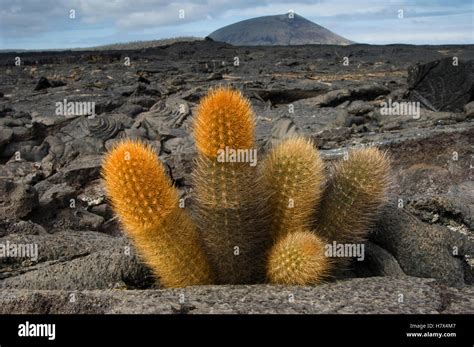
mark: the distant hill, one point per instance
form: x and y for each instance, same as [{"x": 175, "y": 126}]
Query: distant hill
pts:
[
  {"x": 277, "y": 30},
  {"x": 114, "y": 46},
  {"x": 142, "y": 44}
]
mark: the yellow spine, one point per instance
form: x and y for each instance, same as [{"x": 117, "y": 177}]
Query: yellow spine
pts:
[
  {"x": 298, "y": 258},
  {"x": 230, "y": 207},
  {"x": 143, "y": 197},
  {"x": 293, "y": 174},
  {"x": 354, "y": 193}
]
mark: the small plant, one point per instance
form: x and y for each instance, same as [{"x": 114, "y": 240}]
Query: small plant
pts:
[
  {"x": 147, "y": 205},
  {"x": 298, "y": 258},
  {"x": 231, "y": 215},
  {"x": 252, "y": 221},
  {"x": 356, "y": 189},
  {"x": 293, "y": 175}
]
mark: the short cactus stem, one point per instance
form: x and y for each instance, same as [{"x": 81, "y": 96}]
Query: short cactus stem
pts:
[{"x": 148, "y": 207}]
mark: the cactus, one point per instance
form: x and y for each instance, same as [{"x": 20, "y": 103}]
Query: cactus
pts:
[
  {"x": 253, "y": 222},
  {"x": 224, "y": 118},
  {"x": 298, "y": 258},
  {"x": 147, "y": 204},
  {"x": 356, "y": 189},
  {"x": 230, "y": 210},
  {"x": 293, "y": 173}
]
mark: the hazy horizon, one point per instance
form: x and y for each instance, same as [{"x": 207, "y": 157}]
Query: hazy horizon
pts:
[{"x": 63, "y": 24}]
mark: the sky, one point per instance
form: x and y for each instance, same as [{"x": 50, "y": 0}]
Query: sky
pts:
[{"x": 48, "y": 24}]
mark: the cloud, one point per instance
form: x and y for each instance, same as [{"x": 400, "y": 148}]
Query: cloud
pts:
[
  {"x": 172, "y": 14},
  {"x": 37, "y": 22}
]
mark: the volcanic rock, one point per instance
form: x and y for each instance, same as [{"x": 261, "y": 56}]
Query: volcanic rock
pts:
[
  {"x": 442, "y": 85},
  {"x": 408, "y": 295},
  {"x": 43, "y": 83},
  {"x": 51, "y": 193},
  {"x": 18, "y": 199},
  {"x": 423, "y": 250}
]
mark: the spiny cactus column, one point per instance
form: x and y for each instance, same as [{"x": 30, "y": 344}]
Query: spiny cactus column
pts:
[
  {"x": 293, "y": 173},
  {"x": 147, "y": 204},
  {"x": 356, "y": 189},
  {"x": 230, "y": 203},
  {"x": 298, "y": 258}
]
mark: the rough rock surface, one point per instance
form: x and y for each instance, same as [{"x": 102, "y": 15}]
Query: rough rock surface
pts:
[
  {"x": 52, "y": 196},
  {"x": 423, "y": 250},
  {"x": 360, "y": 295},
  {"x": 71, "y": 260},
  {"x": 428, "y": 84}
]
